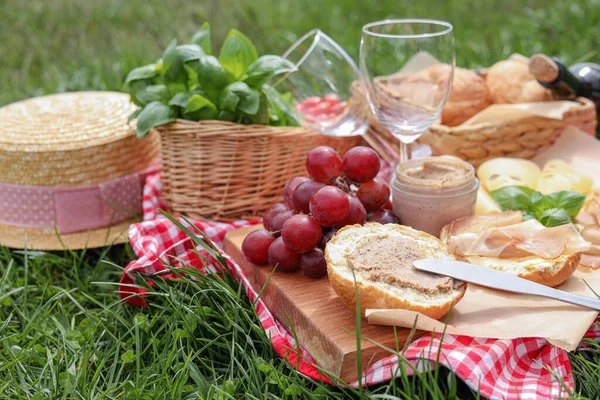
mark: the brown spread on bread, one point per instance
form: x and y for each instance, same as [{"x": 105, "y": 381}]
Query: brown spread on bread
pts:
[{"x": 389, "y": 260}]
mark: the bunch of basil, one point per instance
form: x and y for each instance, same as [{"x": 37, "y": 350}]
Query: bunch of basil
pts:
[
  {"x": 188, "y": 82},
  {"x": 551, "y": 210}
]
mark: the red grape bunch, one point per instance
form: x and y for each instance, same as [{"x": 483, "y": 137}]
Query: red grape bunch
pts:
[{"x": 339, "y": 192}]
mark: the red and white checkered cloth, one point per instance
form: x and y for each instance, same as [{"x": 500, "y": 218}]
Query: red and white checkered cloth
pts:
[{"x": 527, "y": 368}]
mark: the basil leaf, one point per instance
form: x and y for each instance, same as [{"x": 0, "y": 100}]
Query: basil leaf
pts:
[
  {"x": 250, "y": 104},
  {"x": 195, "y": 106},
  {"x": 146, "y": 72},
  {"x": 512, "y": 197},
  {"x": 228, "y": 116},
  {"x": 134, "y": 115},
  {"x": 538, "y": 203},
  {"x": 229, "y": 101},
  {"x": 568, "y": 200},
  {"x": 281, "y": 107},
  {"x": 248, "y": 100},
  {"x": 181, "y": 99},
  {"x": 167, "y": 58},
  {"x": 200, "y": 108},
  {"x": 237, "y": 53},
  {"x": 210, "y": 73},
  {"x": 153, "y": 115},
  {"x": 202, "y": 38},
  {"x": 153, "y": 93},
  {"x": 174, "y": 59},
  {"x": 554, "y": 217},
  {"x": 265, "y": 68}
]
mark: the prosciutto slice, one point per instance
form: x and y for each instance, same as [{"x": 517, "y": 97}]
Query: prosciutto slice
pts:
[
  {"x": 590, "y": 260},
  {"x": 522, "y": 239},
  {"x": 479, "y": 223}
]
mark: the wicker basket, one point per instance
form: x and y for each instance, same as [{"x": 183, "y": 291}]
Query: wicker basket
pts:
[
  {"x": 522, "y": 138},
  {"x": 216, "y": 170}
]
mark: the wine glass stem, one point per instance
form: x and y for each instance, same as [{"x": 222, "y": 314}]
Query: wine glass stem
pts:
[{"x": 405, "y": 152}]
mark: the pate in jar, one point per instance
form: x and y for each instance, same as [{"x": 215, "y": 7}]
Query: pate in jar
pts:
[{"x": 429, "y": 193}]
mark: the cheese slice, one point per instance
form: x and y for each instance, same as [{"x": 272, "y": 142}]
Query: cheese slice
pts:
[
  {"x": 485, "y": 204},
  {"x": 503, "y": 171},
  {"x": 557, "y": 176}
]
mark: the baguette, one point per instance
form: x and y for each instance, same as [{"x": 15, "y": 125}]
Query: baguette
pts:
[
  {"x": 342, "y": 254},
  {"x": 548, "y": 272}
]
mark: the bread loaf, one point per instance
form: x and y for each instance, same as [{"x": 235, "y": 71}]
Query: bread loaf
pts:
[
  {"x": 469, "y": 93},
  {"x": 509, "y": 82}
]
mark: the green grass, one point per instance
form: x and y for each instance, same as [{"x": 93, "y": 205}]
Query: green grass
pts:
[{"x": 63, "y": 332}]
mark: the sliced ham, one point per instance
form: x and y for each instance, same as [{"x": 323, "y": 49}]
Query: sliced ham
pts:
[
  {"x": 478, "y": 223},
  {"x": 515, "y": 240},
  {"x": 590, "y": 260}
]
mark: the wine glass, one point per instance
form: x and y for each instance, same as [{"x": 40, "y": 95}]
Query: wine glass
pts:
[
  {"x": 321, "y": 85},
  {"x": 407, "y": 66}
]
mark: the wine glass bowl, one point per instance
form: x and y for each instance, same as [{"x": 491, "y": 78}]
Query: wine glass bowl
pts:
[
  {"x": 407, "y": 68},
  {"x": 321, "y": 86}
]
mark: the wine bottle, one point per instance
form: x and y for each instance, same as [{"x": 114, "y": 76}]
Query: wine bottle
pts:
[{"x": 578, "y": 80}]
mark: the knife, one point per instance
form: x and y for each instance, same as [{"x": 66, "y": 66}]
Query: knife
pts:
[{"x": 494, "y": 279}]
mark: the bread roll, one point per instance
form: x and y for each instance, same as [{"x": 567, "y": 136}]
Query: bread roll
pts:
[
  {"x": 509, "y": 82},
  {"x": 469, "y": 93},
  {"x": 381, "y": 258},
  {"x": 546, "y": 271},
  {"x": 469, "y": 96}
]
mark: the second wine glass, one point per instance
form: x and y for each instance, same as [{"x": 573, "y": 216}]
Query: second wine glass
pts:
[{"x": 407, "y": 66}]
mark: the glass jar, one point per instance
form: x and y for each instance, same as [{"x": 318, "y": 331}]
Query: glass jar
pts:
[{"x": 429, "y": 193}]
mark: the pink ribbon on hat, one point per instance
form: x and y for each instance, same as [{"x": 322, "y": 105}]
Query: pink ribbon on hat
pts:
[{"x": 73, "y": 208}]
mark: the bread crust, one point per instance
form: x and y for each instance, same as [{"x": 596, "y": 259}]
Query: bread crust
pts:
[
  {"x": 509, "y": 82},
  {"x": 373, "y": 297},
  {"x": 543, "y": 276}
]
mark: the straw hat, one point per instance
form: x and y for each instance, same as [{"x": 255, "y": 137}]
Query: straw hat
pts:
[{"x": 71, "y": 170}]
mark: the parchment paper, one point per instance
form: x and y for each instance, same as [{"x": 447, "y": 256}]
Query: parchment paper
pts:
[{"x": 491, "y": 313}]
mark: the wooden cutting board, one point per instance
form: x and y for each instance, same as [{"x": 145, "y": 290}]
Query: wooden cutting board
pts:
[{"x": 325, "y": 327}]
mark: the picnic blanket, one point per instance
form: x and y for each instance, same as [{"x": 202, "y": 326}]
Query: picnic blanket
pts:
[{"x": 526, "y": 368}]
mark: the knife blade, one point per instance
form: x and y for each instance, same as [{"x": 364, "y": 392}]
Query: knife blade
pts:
[{"x": 495, "y": 279}]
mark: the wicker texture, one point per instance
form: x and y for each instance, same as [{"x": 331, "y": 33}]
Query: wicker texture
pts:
[
  {"x": 71, "y": 139},
  {"x": 224, "y": 171},
  {"x": 523, "y": 138}
]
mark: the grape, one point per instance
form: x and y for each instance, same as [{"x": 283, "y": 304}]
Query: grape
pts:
[
  {"x": 356, "y": 214},
  {"x": 329, "y": 205},
  {"x": 387, "y": 205},
  {"x": 272, "y": 212},
  {"x": 278, "y": 221},
  {"x": 255, "y": 246},
  {"x": 303, "y": 193},
  {"x": 288, "y": 189},
  {"x": 323, "y": 164},
  {"x": 327, "y": 237},
  {"x": 361, "y": 164},
  {"x": 284, "y": 258},
  {"x": 313, "y": 264},
  {"x": 301, "y": 233},
  {"x": 383, "y": 217},
  {"x": 373, "y": 194},
  {"x": 331, "y": 98}
]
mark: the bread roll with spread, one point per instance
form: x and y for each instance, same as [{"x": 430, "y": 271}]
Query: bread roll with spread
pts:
[
  {"x": 509, "y": 82},
  {"x": 381, "y": 258},
  {"x": 528, "y": 249}
]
